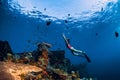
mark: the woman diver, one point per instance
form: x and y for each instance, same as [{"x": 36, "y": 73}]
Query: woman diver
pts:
[{"x": 75, "y": 51}]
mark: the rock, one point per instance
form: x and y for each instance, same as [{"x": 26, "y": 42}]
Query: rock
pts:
[{"x": 4, "y": 49}]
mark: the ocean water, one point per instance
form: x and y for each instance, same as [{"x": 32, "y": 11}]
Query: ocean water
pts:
[{"x": 92, "y": 26}]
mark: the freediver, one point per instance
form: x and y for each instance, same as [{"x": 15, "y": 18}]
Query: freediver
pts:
[{"x": 75, "y": 51}]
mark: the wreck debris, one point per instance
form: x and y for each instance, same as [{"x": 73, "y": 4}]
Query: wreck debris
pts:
[
  {"x": 37, "y": 65},
  {"x": 43, "y": 58}
]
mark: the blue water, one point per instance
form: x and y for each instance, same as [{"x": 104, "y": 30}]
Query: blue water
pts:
[{"x": 94, "y": 35}]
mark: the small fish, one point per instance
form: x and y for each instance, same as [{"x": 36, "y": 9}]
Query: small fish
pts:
[
  {"x": 116, "y": 34},
  {"x": 44, "y": 9},
  {"x": 68, "y": 14},
  {"x": 101, "y": 9},
  {"x": 96, "y": 34},
  {"x": 48, "y": 23},
  {"x": 29, "y": 41},
  {"x": 66, "y": 21},
  {"x": 34, "y": 7}
]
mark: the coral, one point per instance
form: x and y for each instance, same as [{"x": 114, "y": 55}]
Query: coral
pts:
[
  {"x": 18, "y": 70},
  {"x": 22, "y": 76}
]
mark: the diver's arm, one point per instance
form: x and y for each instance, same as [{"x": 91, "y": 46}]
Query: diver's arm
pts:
[{"x": 65, "y": 39}]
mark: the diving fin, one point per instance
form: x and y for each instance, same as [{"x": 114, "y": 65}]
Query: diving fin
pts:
[{"x": 88, "y": 59}]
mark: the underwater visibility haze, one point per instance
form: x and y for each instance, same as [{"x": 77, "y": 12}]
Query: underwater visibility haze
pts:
[{"x": 92, "y": 26}]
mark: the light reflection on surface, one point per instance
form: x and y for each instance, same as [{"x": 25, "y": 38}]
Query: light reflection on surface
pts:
[{"x": 59, "y": 9}]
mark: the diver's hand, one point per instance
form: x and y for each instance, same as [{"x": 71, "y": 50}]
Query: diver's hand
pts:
[{"x": 83, "y": 52}]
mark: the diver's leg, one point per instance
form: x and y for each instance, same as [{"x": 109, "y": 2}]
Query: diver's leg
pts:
[
  {"x": 87, "y": 58},
  {"x": 77, "y": 54},
  {"x": 83, "y": 54}
]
